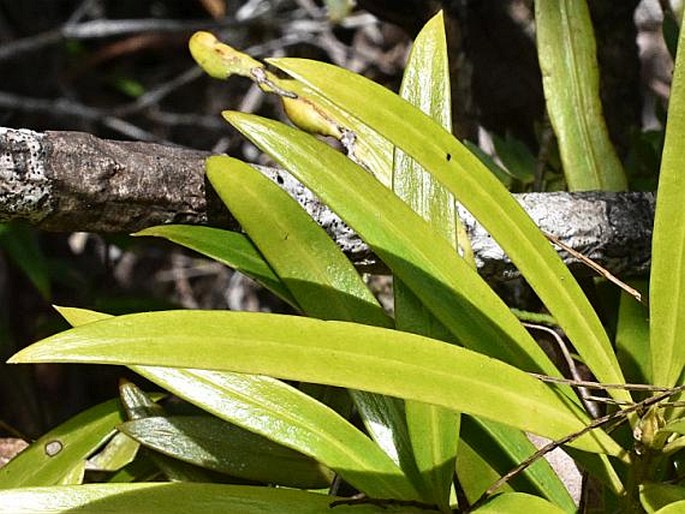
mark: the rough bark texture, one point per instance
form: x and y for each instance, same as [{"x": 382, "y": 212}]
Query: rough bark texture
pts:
[{"x": 69, "y": 181}]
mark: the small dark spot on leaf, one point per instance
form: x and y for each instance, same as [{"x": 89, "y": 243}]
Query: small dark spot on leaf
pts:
[{"x": 449, "y": 157}]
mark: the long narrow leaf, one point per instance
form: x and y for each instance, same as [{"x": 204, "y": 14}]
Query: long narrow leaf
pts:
[
  {"x": 504, "y": 447},
  {"x": 166, "y": 498},
  {"x": 330, "y": 352},
  {"x": 422, "y": 259},
  {"x": 305, "y": 259},
  {"x": 322, "y": 280},
  {"x": 667, "y": 279},
  {"x": 283, "y": 414},
  {"x": 47, "y": 460},
  {"x": 570, "y": 77},
  {"x": 279, "y": 412},
  {"x": 480, "y": 192},
  {"x": 210, "y": 443},
  {"x": 518, "y": 502},
  {"x": 434, "y": 431}
]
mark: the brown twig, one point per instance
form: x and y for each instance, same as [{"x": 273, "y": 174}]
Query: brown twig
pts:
[
  {"x": 71, "y": 181},
  {"x": 615, "y": 417},
  {"x": 596, "y": 267}
]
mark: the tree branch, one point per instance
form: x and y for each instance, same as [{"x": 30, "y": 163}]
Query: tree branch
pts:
[{"x": 70, "y": 181}]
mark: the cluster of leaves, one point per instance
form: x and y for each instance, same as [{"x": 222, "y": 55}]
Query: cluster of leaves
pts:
[{"x": 445, "y": 387}]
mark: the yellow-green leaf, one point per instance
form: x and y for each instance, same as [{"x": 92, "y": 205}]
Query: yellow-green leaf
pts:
[
  {"x": 570, "y": 77},
  {"x": 281, "y": 413},
  {"x": 49, "y": 459},
  {"x": 433, "y": 431},
  {"x": 480, "y": 192},
  {"x": 166, "y": 498},
  {"x": 329, "y": 352},
  {"x": 667, "y": 278}
]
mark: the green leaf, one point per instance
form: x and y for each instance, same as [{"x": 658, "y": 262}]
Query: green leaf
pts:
[
  {"x": 230, "y": 248},
  {"x": 21, "y": 244},
  {"x": 281, "y": 413},
  {"x": 322, "y": 280},
  {"x": 566, "y": 50},
  {"x": 672, "y": 508},
  {"x": 518, "y": 502},
  {"x": 658, "y": 496},
  {"x": 49, "y": 459},
  {"x": 117, "y": 453},
  {"x": 503, "y": 448},
  {"x": 214, "y": 444},
  {"x": 516, "y": 157},
  {"x": 475, "y": 187},
  {"x": 632, "y": 338},
  {"x": 433, "y": 431},
  {"x": 74, "y": 475},
  {"x": 677, "y": 426},
  {"x": 139, "y": 405},
  {"x": 667, "y": 278},
  {"x": 426, "y": 84},
  {"x": 318, "y": 275},
  {"x": 422, "y": 259},
  {"x": 142, "y": 469},
  {"x": 475, "y": 473},
  {"x": 166, "y": 498},
  {"x": 329, "y": 352}
]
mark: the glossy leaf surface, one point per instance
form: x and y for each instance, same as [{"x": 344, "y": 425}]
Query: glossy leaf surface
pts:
[
  {"x": 330, "y": 352},
  {"x": 214, "y": 444},
  {"x": 422, "y": 259},
  {"x": 433, "y": 431},
  {"x": 47, "y": 460},
  {"x": 667, "y": 278},
  {"x": 479, "y": 191},
  {"x": 323, "y": 281},
  {"x": 171, "y": 498},
  {"x": 281, "y": 413}
]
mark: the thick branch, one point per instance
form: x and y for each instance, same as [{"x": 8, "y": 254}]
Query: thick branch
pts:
[{"x": 70, "y": 181}]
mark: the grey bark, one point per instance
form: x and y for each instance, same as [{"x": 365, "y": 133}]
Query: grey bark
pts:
[{"x": 70, "y": 181}]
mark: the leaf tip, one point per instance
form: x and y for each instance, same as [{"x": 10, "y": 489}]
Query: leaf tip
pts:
[
  {"x": 18, "y": 358},
  {"x": 233, "y": 116},
  {"x": 217, "y": 164}
]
